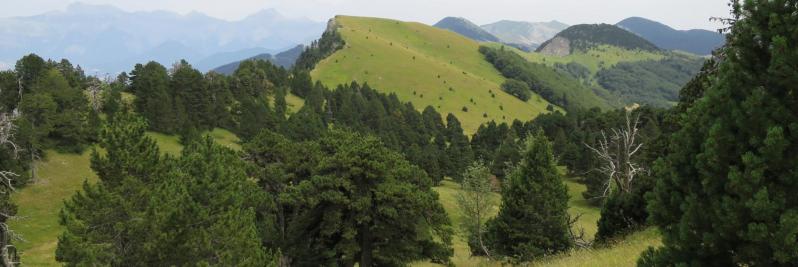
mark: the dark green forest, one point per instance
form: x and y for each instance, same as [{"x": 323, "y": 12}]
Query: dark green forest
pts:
[{"x": 655, "y": 83}]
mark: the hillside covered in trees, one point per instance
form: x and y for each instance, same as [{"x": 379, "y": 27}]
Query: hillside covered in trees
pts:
[
  {"x": 586, "y": 36},
  {"x": 169, "y": 166}
]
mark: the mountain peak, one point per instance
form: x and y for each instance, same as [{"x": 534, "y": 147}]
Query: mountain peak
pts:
[
  {"x": 268, "y": 13},
  {"x": 700, "y": 42},
  {"x": 466, "y": 28},
  {"x": 585, "y": 36},
  {"x": 84, "y": 8},
  {"x": 528, "y": 34}
]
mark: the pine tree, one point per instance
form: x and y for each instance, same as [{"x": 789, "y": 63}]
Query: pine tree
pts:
[
  {"x": 507, "y": 155},
  {"x": 726, "y": 191},
  {"x": 280, "y": 106},
  {"x": 191, "y": 97},
  {"x": 459, "y": 150},
  {"x": 221, "y": 100},
  {"x": 148, "y": 210},
  {"x": 150, "y": 83},
  {"x": 370, "y": 206},
  {"x": 100, "y": 224},
  {"x": 279, "y": 165},
  {"x": 306, "y": 124},
  {"x": 532, "y": 219},
  {"x": 204, "y": 214}
]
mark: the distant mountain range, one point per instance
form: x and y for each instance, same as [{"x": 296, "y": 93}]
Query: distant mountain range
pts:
[
  {"x": 286, "y": 59},
  {"x": 522, "y": 34},
  {"x": 466, "y": 28},
  {"x": 585, "y": 36},
  {"x": 106, "y": 39},
  {"x": 700, "y": 42}
]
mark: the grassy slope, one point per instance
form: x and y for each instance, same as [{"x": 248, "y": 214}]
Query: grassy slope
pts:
[
  {"x": 381, "y": 52},
  {"x": 59, "y": 177},
  {"x": 624, "y": 253}
]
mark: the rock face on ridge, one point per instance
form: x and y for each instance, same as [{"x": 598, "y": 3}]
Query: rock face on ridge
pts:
[{"x": 557, "y": 46}]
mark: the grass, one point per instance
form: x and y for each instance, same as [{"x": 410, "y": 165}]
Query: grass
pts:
[
  {"x": 169, "y": 144},
  {"x": 294, "y": 102},
  {"x": 623, "y": 253},
  {"x": 59, "y": 177},
  {"x": 420, "y": 64},
  {"x": 226, "y": 138}
]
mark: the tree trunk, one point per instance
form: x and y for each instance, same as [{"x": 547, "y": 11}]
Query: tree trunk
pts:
[{"x": 365, "y": 246}]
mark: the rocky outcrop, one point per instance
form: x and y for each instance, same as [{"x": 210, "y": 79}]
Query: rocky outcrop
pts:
[{"x": 558, "y": 46}]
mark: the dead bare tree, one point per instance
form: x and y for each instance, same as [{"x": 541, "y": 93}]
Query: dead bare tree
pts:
[
  {"x": 577, "y": 235},
  {"x": 616, "y": 151},
  {"x": 8, "y": 252},
  {"x": 95, "y": 93}
]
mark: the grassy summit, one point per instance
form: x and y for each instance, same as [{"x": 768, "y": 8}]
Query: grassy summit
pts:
[{"x": 426, "y": 66}]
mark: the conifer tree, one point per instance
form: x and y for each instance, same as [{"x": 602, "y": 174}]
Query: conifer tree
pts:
[
  {"x": 507, "y": 155},
  {"x": 726, "y": 191},
  {"x": 367, "y": 205},
  {"x": 148, "y": 210},
  {"x": 459, "y": 150},
  {"x": 100, "y": 222},
  {"x": 280, "y": 106},
  {"x": 190, "y": 96},
  {"x": 532, "y": 219},
  {"x": 204, "y": 214},
  {"x": 150, "y": 83}
]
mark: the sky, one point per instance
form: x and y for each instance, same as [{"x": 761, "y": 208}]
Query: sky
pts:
[{"x": 680, "y": 14}]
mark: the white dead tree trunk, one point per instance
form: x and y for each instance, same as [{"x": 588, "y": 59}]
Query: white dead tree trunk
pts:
[
  {"x": 8, "y": 252},
  {"x": 616, "y": 151},
  {"x": 95, "y": 89}
]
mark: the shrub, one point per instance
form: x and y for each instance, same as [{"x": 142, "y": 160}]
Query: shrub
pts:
[{"x": 517, "y": 88}]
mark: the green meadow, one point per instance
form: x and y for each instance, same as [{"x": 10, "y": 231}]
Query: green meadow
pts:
[{"x": 426, "y": 66}]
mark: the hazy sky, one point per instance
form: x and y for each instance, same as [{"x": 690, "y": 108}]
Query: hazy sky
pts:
[{"x": 680, "y": 14}]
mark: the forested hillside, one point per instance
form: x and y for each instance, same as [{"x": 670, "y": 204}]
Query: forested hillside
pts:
[
  {"x": 622, "y": 75},
  {"x": 586, "y": 36}
]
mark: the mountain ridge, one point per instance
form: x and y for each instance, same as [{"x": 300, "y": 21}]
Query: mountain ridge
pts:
[
  {"x": 528, "y": 35},
  {"x": 466, "y": 28},
  {"x": 103, "y": 38},
  {"x": 284, "y": 59},
  {"x": 582, "y": 37},
  {"x": 696, "y": 41}
]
